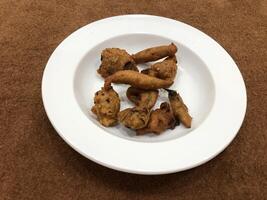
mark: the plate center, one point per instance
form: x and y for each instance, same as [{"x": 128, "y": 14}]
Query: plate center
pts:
[{"x": 193, "y": 81}]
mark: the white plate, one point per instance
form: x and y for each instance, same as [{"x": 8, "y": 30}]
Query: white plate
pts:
[{"x": 208, "y": 80}]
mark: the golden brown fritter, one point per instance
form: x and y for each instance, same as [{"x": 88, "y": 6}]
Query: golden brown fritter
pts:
[
  {"x": 137, "y": 80},
  {"x": 134, "y": 118},
  {"x": 160, "y": 120},
  {"x": 142, "y": 98},
  {"x": 150, "y": 72},
  {"x": 107, "y": 106},
  {"x": 180, "y": 110},
  {"x": 154, "y": 53},
  {"x": 113, "y": 60},
  {"x": 166, "y": 69}
]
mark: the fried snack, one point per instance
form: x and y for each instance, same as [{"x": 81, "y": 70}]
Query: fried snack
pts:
[
  {"x": 160, "y": 120},
  {"x": 107, "y": 106},
  {"x": 166, "y": 69},
  {"x": 149, "y": 72},
  {"x": 180, "y": 110},
  {"x": 142, "y": 98},
  {"x": 137, "y": 80},
  {"x": 154, "y": 53},
  {"x": 113, "y": 60},
  {"x": 134, "y": 118}
]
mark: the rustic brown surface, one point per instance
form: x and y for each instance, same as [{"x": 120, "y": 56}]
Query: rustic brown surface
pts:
[{"x": 35, "y": 163}]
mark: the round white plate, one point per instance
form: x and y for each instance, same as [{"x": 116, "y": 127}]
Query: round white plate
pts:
[{"x": 208, "y": 80}]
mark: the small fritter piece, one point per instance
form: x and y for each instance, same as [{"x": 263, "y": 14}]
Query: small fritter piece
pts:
[
  {"x": 180, "y": 110},
  {"x": 134, "y": 118},
  {"x": 154, "y": 53},
  {"x": 107, "y": 106},
  {"x": 161, "y": 119},
  {"x": 113, "y": 60},
  {"x": 137, "y": 80},
  {"x": 149, "y": 72},
  {"x": 166, "y": 69},
  {"x": 142, "y": 98}
]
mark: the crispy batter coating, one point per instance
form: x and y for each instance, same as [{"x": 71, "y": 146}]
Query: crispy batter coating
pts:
[
  {"x": 150, "y": 72},
  {"x": 137, "y": 80},
  {"x": 113, "y": 60},
  {"x": 154, "y": 53},
  {"x": 107, "y": 106},
  {"x": 166, "y": 69},
  {"x": 134, "y": 118},
  {"x": 142, "y": 98},
  {"x": 160, "y": 120},
  {"x": 180, "y": 110}
]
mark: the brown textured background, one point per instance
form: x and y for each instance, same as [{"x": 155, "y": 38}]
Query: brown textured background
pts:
[{"x": 35, "y": 163}]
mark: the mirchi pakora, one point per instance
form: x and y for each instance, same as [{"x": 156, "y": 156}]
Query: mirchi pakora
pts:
[
  {"x": 134, "y": 118},
  {"x": 113, "y": 60},
  {"x": 106, "y": 106},
  {"x": 160, "y": 120},
  {"x": 180, "y": 110},
  {"x": 155, "y": 53},
  {"x": 137, "y": 80},
  {"x": 142, "y": 98}
]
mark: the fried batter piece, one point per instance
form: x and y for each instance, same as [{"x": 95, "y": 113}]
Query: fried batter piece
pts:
[
  {"x": 149, "y": 72},
  {"x": 107, "y": 106},
  {"x": 113, "y": 60},
  {"x": 142, "y": 98},
  {"x": 154, "y": 53},
  {"x": 160, "y": 120},
  {"x": 180, "y": 110},
  {"x": 166, "y": 69},
  {"x": 137, "y": 80},
  {"x": 134, "y": 118}
]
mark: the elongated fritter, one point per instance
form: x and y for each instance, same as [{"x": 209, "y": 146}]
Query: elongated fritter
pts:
[
  {"x": 137, "y": 80},
  {"x": 154, "y": 53},
  {"x": 107, "y": 106},
  {"x": 134, "y": 118},
  {"x": 160, "y": 120},
  {"x": 113, "y": 60},
  {"x": 142, "y": 98},
  {"x": 179, "y": 109}
]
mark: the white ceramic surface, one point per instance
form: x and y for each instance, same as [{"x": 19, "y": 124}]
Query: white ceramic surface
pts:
[{"x": 208, "y": 80}]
